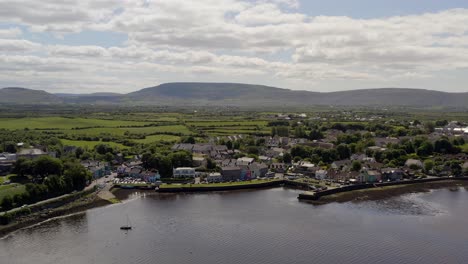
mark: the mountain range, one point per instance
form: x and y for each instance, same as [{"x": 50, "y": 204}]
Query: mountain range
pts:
[{"x": 237, "y": 94}]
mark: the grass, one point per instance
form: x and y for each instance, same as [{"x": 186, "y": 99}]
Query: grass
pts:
[
  {"x": 133, "y": 130},
  {"x": 11, "y": 190},
  {"x": 221, "y": 184},
  {"x": 465, "y": 148},
  {"x": 62, "y": 123},
  {"x": 212, "y": 123},
  {"x": 158, "y": 138},
  {"x": 90, "y": 144}
]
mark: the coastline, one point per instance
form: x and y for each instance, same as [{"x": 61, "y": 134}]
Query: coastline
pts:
[
  {"x": 385, "y": 192},
  {"x": 92, "y": 200},
  {"x": 80, "y": 205}
]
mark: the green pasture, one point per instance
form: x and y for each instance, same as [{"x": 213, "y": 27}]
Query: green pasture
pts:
[
  {"x": 89, "y": 144},
  {"x": 227, "y": 123},
  {"x": 62, "y": 123},
  {"x": 158, "y": 138},
  {"x": 132, "y": 130},
  {"x": 11, "y": 189}
]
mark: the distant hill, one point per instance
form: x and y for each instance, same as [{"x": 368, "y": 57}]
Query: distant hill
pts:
[
  {"x": 16, "y": 95},
  {"x": 258, "y": 95},
  {"x": 236, "y": 94}
]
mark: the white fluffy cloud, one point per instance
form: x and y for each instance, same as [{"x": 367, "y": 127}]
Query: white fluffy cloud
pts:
[{"x": 270, "y": 41}]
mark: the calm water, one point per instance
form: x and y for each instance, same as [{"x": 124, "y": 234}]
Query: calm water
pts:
[{"x": 267, "y": 226}]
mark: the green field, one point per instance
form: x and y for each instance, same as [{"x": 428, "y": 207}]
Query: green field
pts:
[
  {"x": 132, "y": 130},
  {"x": 89, "y": 144},
  {"x": 158, "y": 138},
  {"x": 63, "y": 123},
  {"x": 11, "y": 190},
  {"x": 236, "y": 123}
]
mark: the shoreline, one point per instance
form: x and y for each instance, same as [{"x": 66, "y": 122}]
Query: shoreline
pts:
[
  {"x": 78, "y": 206},
  {"x": 93, "y": 200},
  {"x": 385, "y": 192}
]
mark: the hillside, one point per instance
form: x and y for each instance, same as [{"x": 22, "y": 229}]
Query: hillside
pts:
[
  {"x": 257, "y": 95},
  {"x": 15, "y": 95},
  {"x": 235, "y": 94}
]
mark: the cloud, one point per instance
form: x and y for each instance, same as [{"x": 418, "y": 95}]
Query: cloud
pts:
[
  {"x": 10, "y": 33},
  {"x": 267, "y": 40},
  {"x": 17, "y": 45}
]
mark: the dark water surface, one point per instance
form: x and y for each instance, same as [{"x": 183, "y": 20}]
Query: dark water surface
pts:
[{"x": 265, "y": 226}]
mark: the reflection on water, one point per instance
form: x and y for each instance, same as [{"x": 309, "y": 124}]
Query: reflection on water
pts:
[
  {"x": 409, "y": 204},
  {"x": 267, "y": 226}
]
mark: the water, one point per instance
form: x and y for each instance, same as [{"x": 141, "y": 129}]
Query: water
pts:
[{"x": 265, "y": 226}]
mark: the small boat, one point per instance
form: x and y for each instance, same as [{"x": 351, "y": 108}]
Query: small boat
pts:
[{"x": 128, "y": 226}]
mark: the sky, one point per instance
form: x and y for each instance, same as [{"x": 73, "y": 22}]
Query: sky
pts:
[{"x": 84, "y": 46}]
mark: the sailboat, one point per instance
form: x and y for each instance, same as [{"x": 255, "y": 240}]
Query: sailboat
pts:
[{"x": 128, "y": 226}]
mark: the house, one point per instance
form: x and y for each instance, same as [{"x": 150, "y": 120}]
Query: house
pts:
[
  {"x": 7, "y": 161},
  {"x": 150, "y": 176},
  {"x": 136, "y": 172},
  {"x": 362, "y": 157},
  {"x": 245, "y": 161},
  {"x": 31, "y": 153},
  {"x": 258, "y": 170},
  {"x": 199, "y": 161},
  {"x": 321, "y": 174},
  {"x": 413, "y": 163},
  {"x": 98, "y": 169},
  {"x": 370, "y": 176},
  {"x": 275, "y": 152},
  {"x": 342, "y": 165},
  {"x": 69, "y": 149},
  {"x": 278, "y": 167},
  {"x": 214, "y": 177},
  {"x": 231, "y": 173},
  {"x": 184, "y": 172},
  {"x": 392, "y": 174},
  {"x": 264, "y": 159}
]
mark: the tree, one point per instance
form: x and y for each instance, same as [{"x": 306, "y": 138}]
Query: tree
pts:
[
  {"x": 181, "y": 159},
  {"x": 356, "y": 166},
  {"x": 343, "y": 151},
  {"x": 78, "y": 152},
  {"x": 425, "y": 149},
  {"x": 23, "y": 167},
  {"x": 7, "y": 203},
  {"x": 456, "y": 168},
  {"x": 55, "y": 184},
  {"x": 287, "y": 158},
  {"x": 46, "y": 165},
  {"x": 75, "y": 177},
  {"x": 229, "y": 144},
  {"x": 165, "y": 167},
  {"x": 429, "y": 126},
  {"x": 299, "y": 132},
  {"x": 443, "y": 146},
  {"x": 428, "y": 165},
  {"x": 103, "y": 149},
  {"x": 10, "y": 147},
  {"x": 189, "y": 140},
  {"x": 315, "y": 134},
  {"x": 210, "y": 164}
]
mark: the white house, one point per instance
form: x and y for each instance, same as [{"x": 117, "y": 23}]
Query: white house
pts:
[
  {"x": 214, "y": 177},
  {"x": 184, "y": 172},
  {"x": 321, "y": 174}
]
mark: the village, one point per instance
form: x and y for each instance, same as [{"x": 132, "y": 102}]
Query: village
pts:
[{"x": 337, "y": 156}]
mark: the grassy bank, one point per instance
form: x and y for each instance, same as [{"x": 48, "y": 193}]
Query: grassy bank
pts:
[
  {"x": 82, "y": 204},
  {"x": 216, "y": 185}
]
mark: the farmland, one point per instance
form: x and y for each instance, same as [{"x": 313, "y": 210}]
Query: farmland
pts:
[{"x": 123, "y": 130}]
